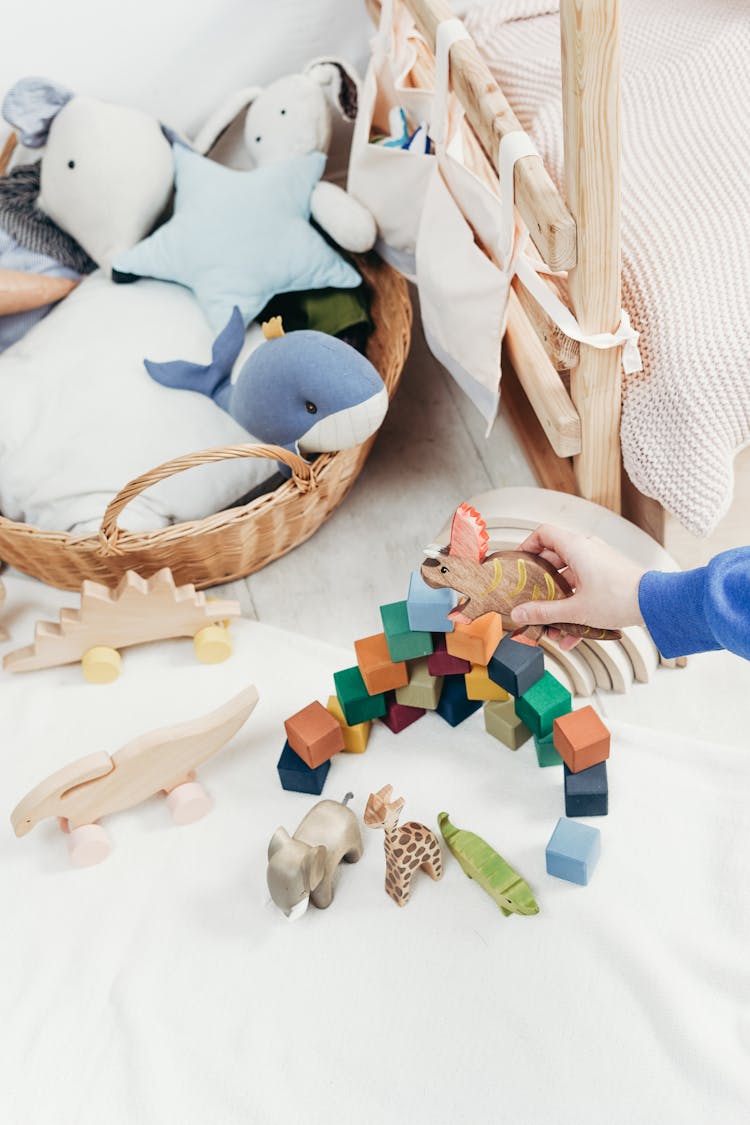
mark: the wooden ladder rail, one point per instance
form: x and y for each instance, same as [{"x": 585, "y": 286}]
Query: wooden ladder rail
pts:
[
  {"x": 590, "y": 48},
  {"x": 590, "y": 45}
]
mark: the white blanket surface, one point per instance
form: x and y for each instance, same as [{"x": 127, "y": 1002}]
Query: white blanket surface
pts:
[
  {"x": 82, "y": 417},
  {"x": 162, "y": 988},
  {"x": 685, "y": 241}
]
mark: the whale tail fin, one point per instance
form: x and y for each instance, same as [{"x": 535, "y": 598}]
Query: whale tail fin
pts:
[{"x": 213, "y": 379}]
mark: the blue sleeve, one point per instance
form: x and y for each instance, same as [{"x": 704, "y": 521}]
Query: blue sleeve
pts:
[{"x": 700, "y": 610}]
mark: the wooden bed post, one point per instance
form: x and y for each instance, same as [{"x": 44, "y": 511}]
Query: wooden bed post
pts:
[{"x": 590, "y": 32}]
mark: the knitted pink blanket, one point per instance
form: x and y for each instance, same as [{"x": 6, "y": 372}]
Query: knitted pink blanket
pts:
[{"x": 685, "y": 225}]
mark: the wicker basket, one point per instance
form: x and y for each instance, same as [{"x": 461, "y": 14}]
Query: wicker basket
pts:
[{"x": 241, "y": 540}]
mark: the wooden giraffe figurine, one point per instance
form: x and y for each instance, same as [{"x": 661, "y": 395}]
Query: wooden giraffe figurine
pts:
[{"x": 408, "y": 847}]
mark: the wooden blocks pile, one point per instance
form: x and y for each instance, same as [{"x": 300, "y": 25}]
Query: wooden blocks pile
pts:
[{"x": 422, "y": 661}]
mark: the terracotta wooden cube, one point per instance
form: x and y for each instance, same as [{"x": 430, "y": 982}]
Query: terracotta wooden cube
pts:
[
  {"x": 379, "y": 672},
  {"x": 314, "y": 734},
  {"x": 581, "y": 739},
  {"x": 476, "y": 641}
]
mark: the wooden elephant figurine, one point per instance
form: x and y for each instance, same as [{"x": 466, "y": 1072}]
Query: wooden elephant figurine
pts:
[{"x": 302, "y": 867}]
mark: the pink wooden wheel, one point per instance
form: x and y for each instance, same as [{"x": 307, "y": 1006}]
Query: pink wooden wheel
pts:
[
  {"x": 88, "y": 845},
  {"x": 188, "y": 802}
]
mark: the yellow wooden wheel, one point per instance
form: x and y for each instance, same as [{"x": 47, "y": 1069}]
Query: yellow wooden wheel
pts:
[
  {"x": 213, "y": 644},
  {"x": 101, "y": 664}
]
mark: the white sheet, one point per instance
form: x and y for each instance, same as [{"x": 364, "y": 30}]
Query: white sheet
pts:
[
  {"x": 161, "y": 989},
  {"x": 79, "y": 407}
]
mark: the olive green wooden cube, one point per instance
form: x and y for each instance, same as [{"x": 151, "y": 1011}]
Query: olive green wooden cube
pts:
[
  {"x": 503, "y": 723},
  {"x": 423, "y": 689}
]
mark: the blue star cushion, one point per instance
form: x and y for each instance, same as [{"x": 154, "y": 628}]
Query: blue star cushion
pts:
[{"x": 239, "y": 238}]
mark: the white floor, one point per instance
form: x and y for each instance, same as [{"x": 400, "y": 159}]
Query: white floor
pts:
[{"x": 430, "y": 455}]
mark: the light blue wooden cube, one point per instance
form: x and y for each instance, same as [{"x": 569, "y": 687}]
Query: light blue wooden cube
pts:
[
  {"x": 573, "y": 851},
  {"x": 428, "y": 609}
]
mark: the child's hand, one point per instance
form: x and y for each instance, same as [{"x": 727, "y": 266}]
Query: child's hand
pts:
[{"x": 605, "y": 584}]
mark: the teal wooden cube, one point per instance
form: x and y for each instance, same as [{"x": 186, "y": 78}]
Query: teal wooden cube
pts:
[
  {"x": 542, "y": 703},
  {"x": 546, "y": 754},
  {"x": 403, "y": 643},
  {"x": 573, "y": 851},
  {"x": 357, "y": 705}
]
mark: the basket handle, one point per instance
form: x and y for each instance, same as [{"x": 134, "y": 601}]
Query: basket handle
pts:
[{"x": 303, "y": 479}]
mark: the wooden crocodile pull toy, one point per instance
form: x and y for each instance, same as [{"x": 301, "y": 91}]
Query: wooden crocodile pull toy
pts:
[
  {"x": 162, "y": 761},
  {"x": 498, "y": 582}
]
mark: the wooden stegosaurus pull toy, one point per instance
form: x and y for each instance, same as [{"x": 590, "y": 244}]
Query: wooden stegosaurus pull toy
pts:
[
  {"x": 496, "y": 583},
  {"x": 138, "y": 610},
  {"x": 162, "y": 761},
  {"x": 408, "y": 847}
]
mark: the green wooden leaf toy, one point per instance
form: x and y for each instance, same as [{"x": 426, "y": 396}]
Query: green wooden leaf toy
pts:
[{"x": 482, "y": 863}]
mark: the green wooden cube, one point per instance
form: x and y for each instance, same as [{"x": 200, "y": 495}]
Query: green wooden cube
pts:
[
  {"x": 503, "y": 723},
  {"x": 545, "y": 751},
  {"x": 423, "y": 689},
  {"x": 542, "y": 703},
  {"x": 356, "y": 704},
  {"x": 403, "y": 644}
]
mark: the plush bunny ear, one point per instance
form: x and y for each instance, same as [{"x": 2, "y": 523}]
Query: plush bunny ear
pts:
[
  {"x": 339, "y": 81},
  {"x": 32, "y": 105},
  {"x": 219, "y": 122}
]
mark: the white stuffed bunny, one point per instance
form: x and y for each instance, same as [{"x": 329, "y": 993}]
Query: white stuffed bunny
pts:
[
  {"x": 292, "y": 117},
  {"x": 106, "y": 172}
]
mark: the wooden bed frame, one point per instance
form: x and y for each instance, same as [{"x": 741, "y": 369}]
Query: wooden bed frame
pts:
[{"x": 571, "y": 437}]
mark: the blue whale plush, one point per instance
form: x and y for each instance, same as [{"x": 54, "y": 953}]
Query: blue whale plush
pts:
[{"x": 306, "y": 391}]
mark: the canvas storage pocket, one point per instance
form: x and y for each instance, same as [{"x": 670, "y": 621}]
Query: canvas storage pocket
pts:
[
  {"x": 391, "y": 182},
  {"x": 466, "y": 250}
]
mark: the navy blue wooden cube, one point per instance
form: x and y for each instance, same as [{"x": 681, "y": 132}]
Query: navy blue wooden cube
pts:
[
  {"x": 586, "y": 792},
  {"x": 516, "y": 666},
  {"x": 296, "y": 776},
  {"x": 455, "y": 705}
]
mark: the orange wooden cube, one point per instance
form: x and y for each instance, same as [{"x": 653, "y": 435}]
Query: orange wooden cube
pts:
[
  {"x": 476, "y": 641},
  {"x": 581, "y": 739},
  {"x": 314, "y": 734},
  {"x": 379, "y": 672}
]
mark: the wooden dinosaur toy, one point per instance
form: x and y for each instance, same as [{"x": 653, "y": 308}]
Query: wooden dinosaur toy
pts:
[
  {"x": 483, "y": 864},
  {"x": 3, "y": 632},
  {"x": 136, "y": 611},
  {"x": 408, "y": 847},
  {"x": 496, "y": 583},
  {"x": 162, "y": 761}
]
